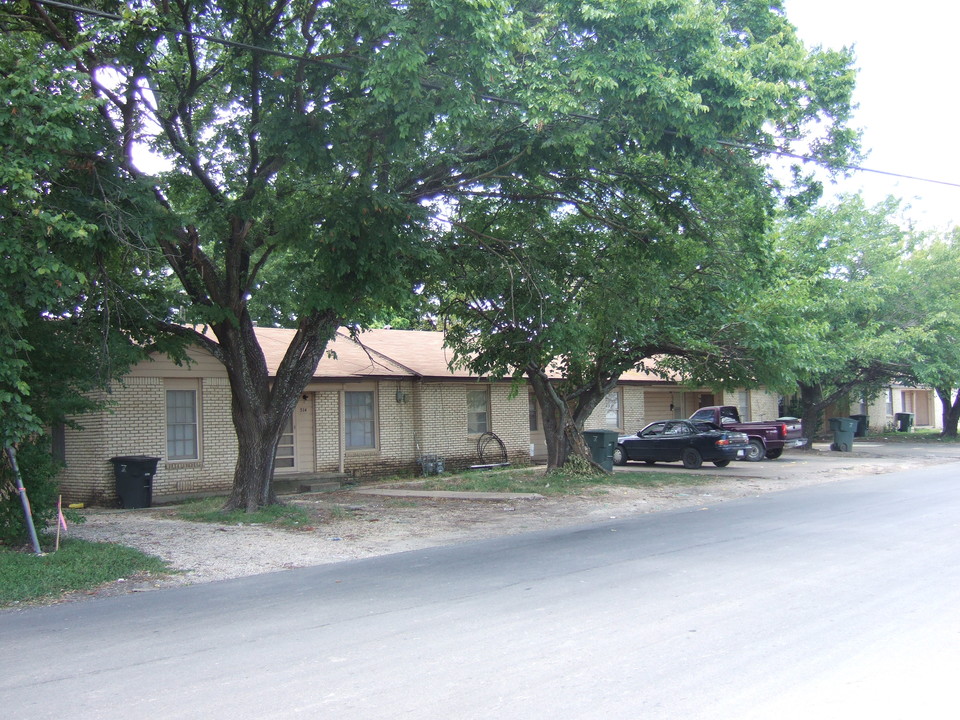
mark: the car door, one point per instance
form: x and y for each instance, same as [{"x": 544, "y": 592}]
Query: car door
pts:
[
  {"x": 676, "y": 436},
  {"x": 644, "y": 445}
]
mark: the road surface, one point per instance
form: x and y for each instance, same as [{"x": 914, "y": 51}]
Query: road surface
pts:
[{"x": 834, "y": 601}]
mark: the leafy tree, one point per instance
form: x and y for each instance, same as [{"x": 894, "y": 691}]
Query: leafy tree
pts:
[
  {"x": 61, "y": 307},
  {"x": 61, "y": 292},
  {"x": 311, "y": 145},
  {"x": 930, "y": 303},
  {"x": 652, "y": 247},
  {"x": 531, "y": 292},
  {"x": 838, "y": 304}
]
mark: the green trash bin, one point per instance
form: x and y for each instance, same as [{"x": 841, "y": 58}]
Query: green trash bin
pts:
[
  {"x": 843, "y": 431},
  {"x": 602, "y": 444},
  {"x": 863, "y": 424},
  {"x": 904, "y": 421}
]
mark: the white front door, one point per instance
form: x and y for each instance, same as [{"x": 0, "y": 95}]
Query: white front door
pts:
[{"x": 295, "y": 449}]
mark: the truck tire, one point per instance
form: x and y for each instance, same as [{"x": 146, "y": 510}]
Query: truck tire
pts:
[
  {"x": 774, "y": 454},
  {"x": 756, "y": 451}
]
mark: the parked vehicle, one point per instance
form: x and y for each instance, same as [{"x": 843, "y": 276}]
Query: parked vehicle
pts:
[
  {"x": 690, "y": 442},
  {"x": 768, "y": 439}
]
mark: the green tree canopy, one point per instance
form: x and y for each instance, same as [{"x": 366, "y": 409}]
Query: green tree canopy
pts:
[
  {"x": 930, "y": 302},
  {"x": 837, "y": 304},
  {"x": 313, "y": 147},
  {"x": 64, "y": 290}
]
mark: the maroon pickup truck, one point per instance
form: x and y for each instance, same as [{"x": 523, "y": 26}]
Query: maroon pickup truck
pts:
[{"x": 768, "y": 439}]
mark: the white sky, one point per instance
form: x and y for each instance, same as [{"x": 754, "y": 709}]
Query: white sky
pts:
[{"x": 908, "y": 56}]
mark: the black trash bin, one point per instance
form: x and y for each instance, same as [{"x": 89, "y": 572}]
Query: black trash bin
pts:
[
  {"x": 602, "y": 444},
  {"x": 863, "y": 424},
  {"x": 904, "y": 421},
  {"x": 134, "y": 476}
]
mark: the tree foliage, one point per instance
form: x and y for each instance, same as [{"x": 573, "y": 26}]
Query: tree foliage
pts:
[
  {"x": 652, "y": 248},
  {"x": 312, "y": 148},
  {"x": 65, "y": 288},
  {"x": 930, "y": 302},
  {"x": 838, "y": 301}
]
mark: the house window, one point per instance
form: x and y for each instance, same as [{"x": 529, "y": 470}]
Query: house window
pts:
[
  {"x": 359, "y": 418},
  {"x": 614, "y": 419},
  {"x": 889, "y": 401},
  {"x": 478, "y": 411},
  {"x": 182, "y": 425},
  {"x": 743, "y": 405},
  {"x": 534, "y": 419}
]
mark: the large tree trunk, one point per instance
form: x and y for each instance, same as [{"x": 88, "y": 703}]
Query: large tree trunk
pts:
[
  {"x": 260, "y": 403},
  {"x": 811, "y": 411},
  {"x": 563, "y": 418},
  {"x": 950, "y": 411}
]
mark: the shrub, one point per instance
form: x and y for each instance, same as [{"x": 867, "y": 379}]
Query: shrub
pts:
[{"x": 38, "y": 471}]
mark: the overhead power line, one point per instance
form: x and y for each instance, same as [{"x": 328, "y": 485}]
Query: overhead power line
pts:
[{"x": 751, "y": 147}]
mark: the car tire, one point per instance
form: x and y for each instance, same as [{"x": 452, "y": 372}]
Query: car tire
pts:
[
  {"x": 756, "y": 451},
  {"x": 691, "y": 458},
  {"x": 721, "y": 463},
  {"x": 774, "y": 454},
  {"x": 619, "y": 456}
]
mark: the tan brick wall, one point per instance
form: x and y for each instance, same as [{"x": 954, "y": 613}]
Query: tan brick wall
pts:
[
  {"x": 136, "y": 425},
  {"x": 634, "y": 409},
  {"x": 431, "y": 419}
]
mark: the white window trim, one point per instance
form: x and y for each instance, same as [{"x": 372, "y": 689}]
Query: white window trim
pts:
[
  {"x": 618, "y": 393},
  {"x": 193, "y": 386},
  {"x": 485, "y": 389},
  {"x": 365, "y": 388}
]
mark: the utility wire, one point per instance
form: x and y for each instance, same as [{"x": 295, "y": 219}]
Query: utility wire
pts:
[{"x": 763, "y": 149}]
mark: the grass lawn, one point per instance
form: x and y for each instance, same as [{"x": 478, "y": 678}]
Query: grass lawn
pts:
[
  {"x": 532, "y": 480},
  {"x": 209, "y": 510},
  {"x": 77, "y": 565}
]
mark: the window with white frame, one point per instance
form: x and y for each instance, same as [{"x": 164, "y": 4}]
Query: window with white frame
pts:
[
  {"x": 743, "y": 405},
  {"x": 612, "y": 405},
  {"x": 889, "y": 410},
  {"x": 183, "y": 425},
  {"x": 534, "y": 416},
  {"x": 478, "y": 411},
  {"x": 359, "y": 420}
]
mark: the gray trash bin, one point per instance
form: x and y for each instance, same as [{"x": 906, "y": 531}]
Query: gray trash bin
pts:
[
  {"x": 904, "y": 421},
  {"x": 602, "y": 444},
  {"x": 134, "y": 478},
  {"x": 843, "y": 431}
]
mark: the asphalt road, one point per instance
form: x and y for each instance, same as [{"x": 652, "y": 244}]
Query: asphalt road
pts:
[{"x": 833, "y": 601}]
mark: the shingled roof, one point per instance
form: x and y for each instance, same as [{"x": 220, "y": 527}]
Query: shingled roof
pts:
[{"x": 384, "y": 353}]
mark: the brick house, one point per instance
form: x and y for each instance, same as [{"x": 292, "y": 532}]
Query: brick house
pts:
[{"x": 374, "y": 408}]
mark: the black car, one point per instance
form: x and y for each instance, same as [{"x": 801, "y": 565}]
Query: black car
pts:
[{"x": 689, "y": 441}]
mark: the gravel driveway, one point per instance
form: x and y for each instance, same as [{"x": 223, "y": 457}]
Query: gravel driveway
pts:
[{"x": 351, "y": 525}]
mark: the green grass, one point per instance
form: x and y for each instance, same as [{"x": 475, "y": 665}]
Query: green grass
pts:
[
  {"x": 210, "y": 510},
  {"x": 917, "y": 435},
  {"x": 77, "y": 565},
  {"x": 530, "y": 480}
]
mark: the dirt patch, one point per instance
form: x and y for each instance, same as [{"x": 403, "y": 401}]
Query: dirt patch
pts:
[{"x": 348, "y": 525}]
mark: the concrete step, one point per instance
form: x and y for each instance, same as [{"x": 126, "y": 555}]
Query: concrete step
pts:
[{"x": 294, "y": 484}]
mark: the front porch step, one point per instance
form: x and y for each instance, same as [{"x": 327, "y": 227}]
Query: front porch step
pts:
[{"x": 308, "y": 482}]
